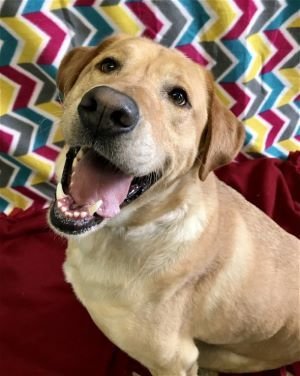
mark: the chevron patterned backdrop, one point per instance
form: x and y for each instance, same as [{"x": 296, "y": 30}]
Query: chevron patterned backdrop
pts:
[{"x": 251, "y": 46}]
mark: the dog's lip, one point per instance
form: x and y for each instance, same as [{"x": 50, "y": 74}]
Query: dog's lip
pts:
[
  {"x": 71, "y": 226},
  {"x": 75, "y": 226}
]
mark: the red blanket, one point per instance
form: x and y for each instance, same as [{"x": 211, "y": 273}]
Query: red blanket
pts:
[{"x": 45, "y": 331}]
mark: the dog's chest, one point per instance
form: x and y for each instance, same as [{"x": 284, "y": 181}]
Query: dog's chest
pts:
[{"x": 117, "y": 295}]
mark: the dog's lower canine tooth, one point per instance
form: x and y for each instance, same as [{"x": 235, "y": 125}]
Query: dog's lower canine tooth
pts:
[
  {"x": 59, "y": 192},
  {"x": 95, "y": 207}
]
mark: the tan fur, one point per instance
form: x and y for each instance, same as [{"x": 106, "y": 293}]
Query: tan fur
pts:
[{"x": 190, "y": 274}]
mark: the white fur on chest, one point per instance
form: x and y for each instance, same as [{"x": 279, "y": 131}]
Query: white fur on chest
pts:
[
  {"x": 113, "y": 273},
  {"x": 124, "y": 258}
]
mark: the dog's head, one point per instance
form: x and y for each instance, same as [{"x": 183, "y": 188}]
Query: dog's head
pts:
[{"x": 135, "y": 114}]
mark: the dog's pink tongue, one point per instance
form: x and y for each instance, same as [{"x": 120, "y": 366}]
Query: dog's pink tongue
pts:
[{"x": 95, "y": 179}]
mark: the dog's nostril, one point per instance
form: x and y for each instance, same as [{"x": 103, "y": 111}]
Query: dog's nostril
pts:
[
  {"x": 89, "y": 104},
  {"x": 122, "y": 118}
]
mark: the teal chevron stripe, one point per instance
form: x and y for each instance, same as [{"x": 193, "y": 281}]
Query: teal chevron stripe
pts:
[
  {"x": 8, "y": 48},
  {"x": 291, "y": 8},
  {"x": 96, "y": 20},
  {"x": 276, "y": 86},
  {"x": 276, "y": 153},
  {"x": 237, "y": 49},
  {"x": 51, "y": 70},
  {"x": 3, "y": 204},
  {"x": 44, "y": 125},
  {"x": 200, "y": 18},
  {"x": 33, "y": 6}
]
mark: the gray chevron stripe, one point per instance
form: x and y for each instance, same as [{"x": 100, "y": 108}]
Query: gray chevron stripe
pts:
[
  {"x": 222, "y": 60},
  {"x": 260, "y": 95},
  {"x": 47, "y": 189},
  {"x": 173, "y": 14},
  {"x": 110, "y": 2},
  {"x": 9, "y": 8},
  {"x": 270, "y": 8},
  {"x": 6, "y": 171},
  {"x": 295, "y": 33},
  {"x": 293, "y": 62},
  {"x": 48, "y": 90},
  {"x": 293, "y": 117},
  {"x": 22, "y": 127},
  {"x": 81, "y": 31}
]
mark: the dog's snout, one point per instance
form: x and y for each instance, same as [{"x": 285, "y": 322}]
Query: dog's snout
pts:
[{"x": 106, "y": 111}]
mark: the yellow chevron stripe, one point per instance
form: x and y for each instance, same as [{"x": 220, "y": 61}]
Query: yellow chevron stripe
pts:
[
  {"x": 294, "y": 23},
  {"x": 290, "y": 145},
  {"x": 58, "y": 135},
  {"x": 42, "y": 169},
  {"x": 260, "y": 53},
  {"x": 7, "y": 94},
  {"x": 58, "y": 4},
  {"x": 121, "y": 18},
  {"x": 31, "y": 38},
  {"x": 223, "y": 96},
  {"x": 260, "y": 130},
  {"x": 15, "y": 199},
  {"x": 292, "y": 80},
  {"x": 226, "y": 17},
  {"x": 52, "y": 108}
]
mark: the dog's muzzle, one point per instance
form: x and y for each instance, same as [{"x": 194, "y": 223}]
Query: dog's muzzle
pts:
[{"x": 105, "y": 111}]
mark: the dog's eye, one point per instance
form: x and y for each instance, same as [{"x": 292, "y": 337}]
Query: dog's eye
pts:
[
  {"x": 108, "y": 65},
  {"x": 178, "y": 96}
]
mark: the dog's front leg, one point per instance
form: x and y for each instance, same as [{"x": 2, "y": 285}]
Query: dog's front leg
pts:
[
  {"x": 193, "y": 371},
  {"x": 184, "y": 362}
]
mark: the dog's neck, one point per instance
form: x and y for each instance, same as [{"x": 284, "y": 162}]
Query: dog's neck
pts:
[{"x": 171, "y": 220}]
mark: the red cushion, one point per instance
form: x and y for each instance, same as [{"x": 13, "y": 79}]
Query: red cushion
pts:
[{"x": 45, "y": 331}]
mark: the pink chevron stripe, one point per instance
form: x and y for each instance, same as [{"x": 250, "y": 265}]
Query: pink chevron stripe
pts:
[
  {"x": 5, "y": 141},
  {"x": 297, "y": 99},
  {"x": 147, "y": 17},
  {"x": 84, "y": 3},
  {"x": 277, "y": 38},
  {"x": 27, "y": 86},
  {"x": 56, "y": 34},
  {"x": 241, "y": 98},
  {"x": 190, "y": 51},
  {"x": 276, "y": 123},
  {"x": 47, "y": 152},
  {"x": 248, "y": 10}
]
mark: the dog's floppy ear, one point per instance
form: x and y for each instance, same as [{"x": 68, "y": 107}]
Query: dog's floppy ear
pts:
[
  {"x": 222, "y": 138},
  {"x": 78, "y": 58}
]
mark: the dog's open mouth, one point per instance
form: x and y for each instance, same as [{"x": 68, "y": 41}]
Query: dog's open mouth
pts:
[{"x": 93, "y": 189}]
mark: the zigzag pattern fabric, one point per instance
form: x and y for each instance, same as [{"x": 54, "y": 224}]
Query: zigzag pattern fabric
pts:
[{"x": 251, "y": 47}]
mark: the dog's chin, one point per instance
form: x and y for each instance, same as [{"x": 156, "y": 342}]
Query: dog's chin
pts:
[{"x": 93, "y": 191}]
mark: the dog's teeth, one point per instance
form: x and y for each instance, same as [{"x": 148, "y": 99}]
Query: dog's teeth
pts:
[
  {"x": 76, "y": 214},
  {"x": 59, "y": 204},
  {"x": 83, "y": 214},
  {"x": 64, "y": 209},
  {"x": 95, "y": 207},
  {"x": 69, "y": 213},
  {"x": 59, "y": 192}
]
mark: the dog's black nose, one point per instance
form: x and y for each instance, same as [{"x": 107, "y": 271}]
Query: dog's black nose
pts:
[{"x": 108, "y": 112}]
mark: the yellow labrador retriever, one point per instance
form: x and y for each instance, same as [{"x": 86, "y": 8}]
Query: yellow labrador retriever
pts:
[{"x": 175, "y": 267}]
